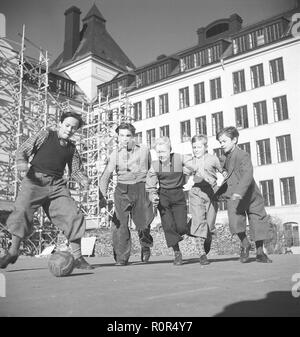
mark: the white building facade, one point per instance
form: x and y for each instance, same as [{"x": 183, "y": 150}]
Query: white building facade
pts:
[{"x": 249, "y": 79}]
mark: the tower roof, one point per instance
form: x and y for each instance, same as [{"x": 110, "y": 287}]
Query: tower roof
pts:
[
  {"x": 96, "y": 41},
  {"x": 94, "y": 11}
]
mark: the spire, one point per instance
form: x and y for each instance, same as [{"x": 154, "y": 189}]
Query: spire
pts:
[
  {"x": 93, "y": 40},
  {"x": 93, "y": 12}
]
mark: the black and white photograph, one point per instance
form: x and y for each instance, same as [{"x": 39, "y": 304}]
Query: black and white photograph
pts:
[{"x": 149, "y": 161}]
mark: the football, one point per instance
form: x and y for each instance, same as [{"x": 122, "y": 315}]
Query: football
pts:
[{"x": 61, "y": 264}]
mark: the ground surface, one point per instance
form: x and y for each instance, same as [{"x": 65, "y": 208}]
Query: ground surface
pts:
[{"x": 157, "y": 289}]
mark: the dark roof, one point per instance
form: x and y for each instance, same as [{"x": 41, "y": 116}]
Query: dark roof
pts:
[
  {"x": 94, "y": 11},
  {"x": 96, "y": 41}
]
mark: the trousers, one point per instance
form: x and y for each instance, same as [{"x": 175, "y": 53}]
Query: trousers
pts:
[
  {"x": 130, "y": 199},
  {"x": 51, "y": 193},
  {"x": 173, "y": 212}
]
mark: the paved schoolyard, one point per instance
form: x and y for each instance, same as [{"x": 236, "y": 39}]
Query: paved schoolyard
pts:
[{"x": 158, "y": 289}]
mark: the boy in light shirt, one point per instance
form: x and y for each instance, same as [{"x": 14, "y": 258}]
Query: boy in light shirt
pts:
[{"x": 203, "y": 207}]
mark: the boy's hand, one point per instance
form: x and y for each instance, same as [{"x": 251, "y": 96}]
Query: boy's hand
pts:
[
  {"x": 103, "y": 210},
  {"x": 225, "y": 174},
  {"x": 102, "y": 202},
  {"x": 189, "y": 184},
  {"x": 236, "y": 196},
  {"x": 187, "y": 187},
  {"x": 22, "y": 170},
  {"x": 155, "y": 200}
]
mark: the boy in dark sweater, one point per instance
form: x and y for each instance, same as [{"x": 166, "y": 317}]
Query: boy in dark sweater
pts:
[
  {"x": 168, "y": 172},
  {"x": 244, "y": 199},
  {"x": 44, "y": 185}
]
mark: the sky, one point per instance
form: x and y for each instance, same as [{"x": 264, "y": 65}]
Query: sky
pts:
[{"x": 144, "y": 29}]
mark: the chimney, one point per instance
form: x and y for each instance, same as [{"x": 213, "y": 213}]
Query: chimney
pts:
[
  {"x": 235, "y": 23},
  {"x": 201, "y": 35},
  {"x": 72, "y": 29}
]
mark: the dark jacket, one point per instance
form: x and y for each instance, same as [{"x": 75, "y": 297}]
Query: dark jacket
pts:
[{"x": 239, "y": 176}]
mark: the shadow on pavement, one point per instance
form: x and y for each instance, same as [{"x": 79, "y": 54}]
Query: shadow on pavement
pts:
[
  {"x": 79, "y": 274},
  {"x": 137, "y": 263},
  {"x": 276, "y": 304},
  {"x": 251, "y": 259},
  {"x": 25, "y": 269}
]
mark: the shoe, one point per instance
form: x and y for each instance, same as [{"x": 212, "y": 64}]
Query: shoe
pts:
[
  {"x": 178, "y": 259},
  {"x": 145, "y": 254},
  {"x": 122, "y": 263},
  {"x": 7, "y": 259},
  {"x": 244, "y": 256},
  {"x": 81, "y": 263},
  {"x": 203, "y": 260},
  {"x": 263, "y": 258}
]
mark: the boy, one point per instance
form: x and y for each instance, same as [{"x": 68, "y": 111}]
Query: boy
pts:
[
  {"x": 131, "y": 162},
  {"x": 243, "y": 196},
  {"x": 202, "y": 206},
  {"x": 168, "y": 171},
  {"x": 45, "y": 186}
]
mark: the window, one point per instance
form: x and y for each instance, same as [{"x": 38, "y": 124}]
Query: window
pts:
[
  {"x": 217, "y": 122},
  {"x": 151, "y": 75},
  {"x": 263, "y": 152},
  {"x": 150, "y": 107},
  {"x": 150, "y": 134},
  {"x": 292, "y": 235},
  {"x": 137, "y": 111},
  {"x": 218, "y": 152},
  {"x": 260, "y": 113},
  {"x": 185, "y": 130},
  {"x": 139, "y": 137},
  {"x": 199, "y": 93},
  {"x": 201, "y": 125},
  {"x": 241, "y": 117},
  {"x": 288, "y": 191},
  {"x": 163, "y": 71},
  {"x": 245, "y": 147},
  {"x": 267, "y": 191},
  {"x": 257, "y": 76},
  {"x": 215, "y": 88},
  {"x": 284, "y": 148},
  {"x": 239, "y": 81},
  {"x": 163, "y": 104},
  {"x": 280, "y": 108},
  {"x": 184, "y": 100},
  {"x": 164, "y": 131},
  {"x": 259, "y": 37},
  {"x": 187, "y": 62},
  {"x": 276, "y": 69}
]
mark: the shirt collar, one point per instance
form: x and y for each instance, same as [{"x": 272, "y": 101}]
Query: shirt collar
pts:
[{"x": 134, "y": 145}]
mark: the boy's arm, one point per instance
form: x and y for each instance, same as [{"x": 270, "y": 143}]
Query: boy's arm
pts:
[
  {"x": 151, "y": 184},
  {"x": 187, "y": 165},
  {"x": 245, "y": 169},
  {"x": 28, "y": 148},
  {"x": 77, "y": 170},
  {"x": 110, "y": 167}
]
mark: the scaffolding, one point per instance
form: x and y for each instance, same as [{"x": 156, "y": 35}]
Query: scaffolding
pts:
[
  {"x": 98, "y": 141},
  {"x": 26, "y": 107},
  {"x": 31, "y": 101}
]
